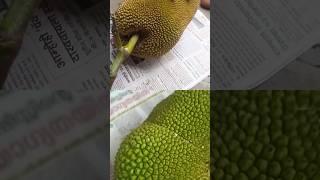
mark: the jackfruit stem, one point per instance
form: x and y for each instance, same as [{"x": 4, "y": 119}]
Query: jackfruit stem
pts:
[
  {"x": 18, "y": 15},
  {"x": 123, "y": 53}
]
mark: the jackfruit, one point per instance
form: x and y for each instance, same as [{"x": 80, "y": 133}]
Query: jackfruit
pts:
[
  {"x": 149, "y": 28},
  {"x": 173, "y": 143},
  {"x": 159, "y": 23},
  {"x": 266, "y": 135}
]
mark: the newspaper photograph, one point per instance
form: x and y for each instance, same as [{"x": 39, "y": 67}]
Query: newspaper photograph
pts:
[{"x": 255, "y": 40}]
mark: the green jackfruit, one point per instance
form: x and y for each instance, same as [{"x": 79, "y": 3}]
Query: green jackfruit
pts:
[
  {"x": 266, "y": 135},
  {"x": 159, "y": 23},
  {"x": 173, "y": 143}
]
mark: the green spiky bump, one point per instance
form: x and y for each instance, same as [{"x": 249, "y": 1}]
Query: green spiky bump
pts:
[{"x": 266, "y": 135}]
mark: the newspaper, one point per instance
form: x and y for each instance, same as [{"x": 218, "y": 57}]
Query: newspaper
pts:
[
  {"x": 138, "y": 105},
  {"x": 52, "y": 135},
  {"x": 187, "y": 64},
  {"x": 122, "y": 101},
  {"x": 255, "y": 39},
  {"x": 64, "y": 48}
]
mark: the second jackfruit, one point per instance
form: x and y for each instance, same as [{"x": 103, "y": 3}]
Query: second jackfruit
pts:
[{"x": 173, "y": 143}]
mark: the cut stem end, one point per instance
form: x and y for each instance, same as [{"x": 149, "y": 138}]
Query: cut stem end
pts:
[{"x": 123, "y": 53}]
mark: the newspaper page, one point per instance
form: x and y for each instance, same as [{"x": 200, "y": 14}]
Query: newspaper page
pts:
[
  {"x": 64, "y": 47},
  {"x": 135, "y": 112},
  {"x": 122, "y": 101},
  {"x": 255, "y": 39},
  {"x": 48, "y": 135},
  {"x": 187, "y": 64}
]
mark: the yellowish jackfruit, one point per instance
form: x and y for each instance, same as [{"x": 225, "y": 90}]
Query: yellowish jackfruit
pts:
[{"x": 159, "y": 24}]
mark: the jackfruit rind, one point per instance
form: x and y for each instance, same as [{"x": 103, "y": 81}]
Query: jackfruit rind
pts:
[
  {"x": 186, "y": 114},
  {"x": 159, "y": 23},
  {"x": 266, "y": 135},
  {"x": 156, "y": 151}
]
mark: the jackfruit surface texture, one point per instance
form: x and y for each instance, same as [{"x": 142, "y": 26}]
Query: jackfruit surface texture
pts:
[
  {"x": 266, "y": 135},
  {"x": 159, "y": 23},
  {"x": 173, "y": 143}
]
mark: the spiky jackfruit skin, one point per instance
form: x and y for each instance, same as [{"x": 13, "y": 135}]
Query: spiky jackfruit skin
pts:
[
  {"x": 266, "y": 135},
  {"x": 187, "y": 114},
  {"x": 163, "y": 149},
  {"x": 159, "y": 23}
]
